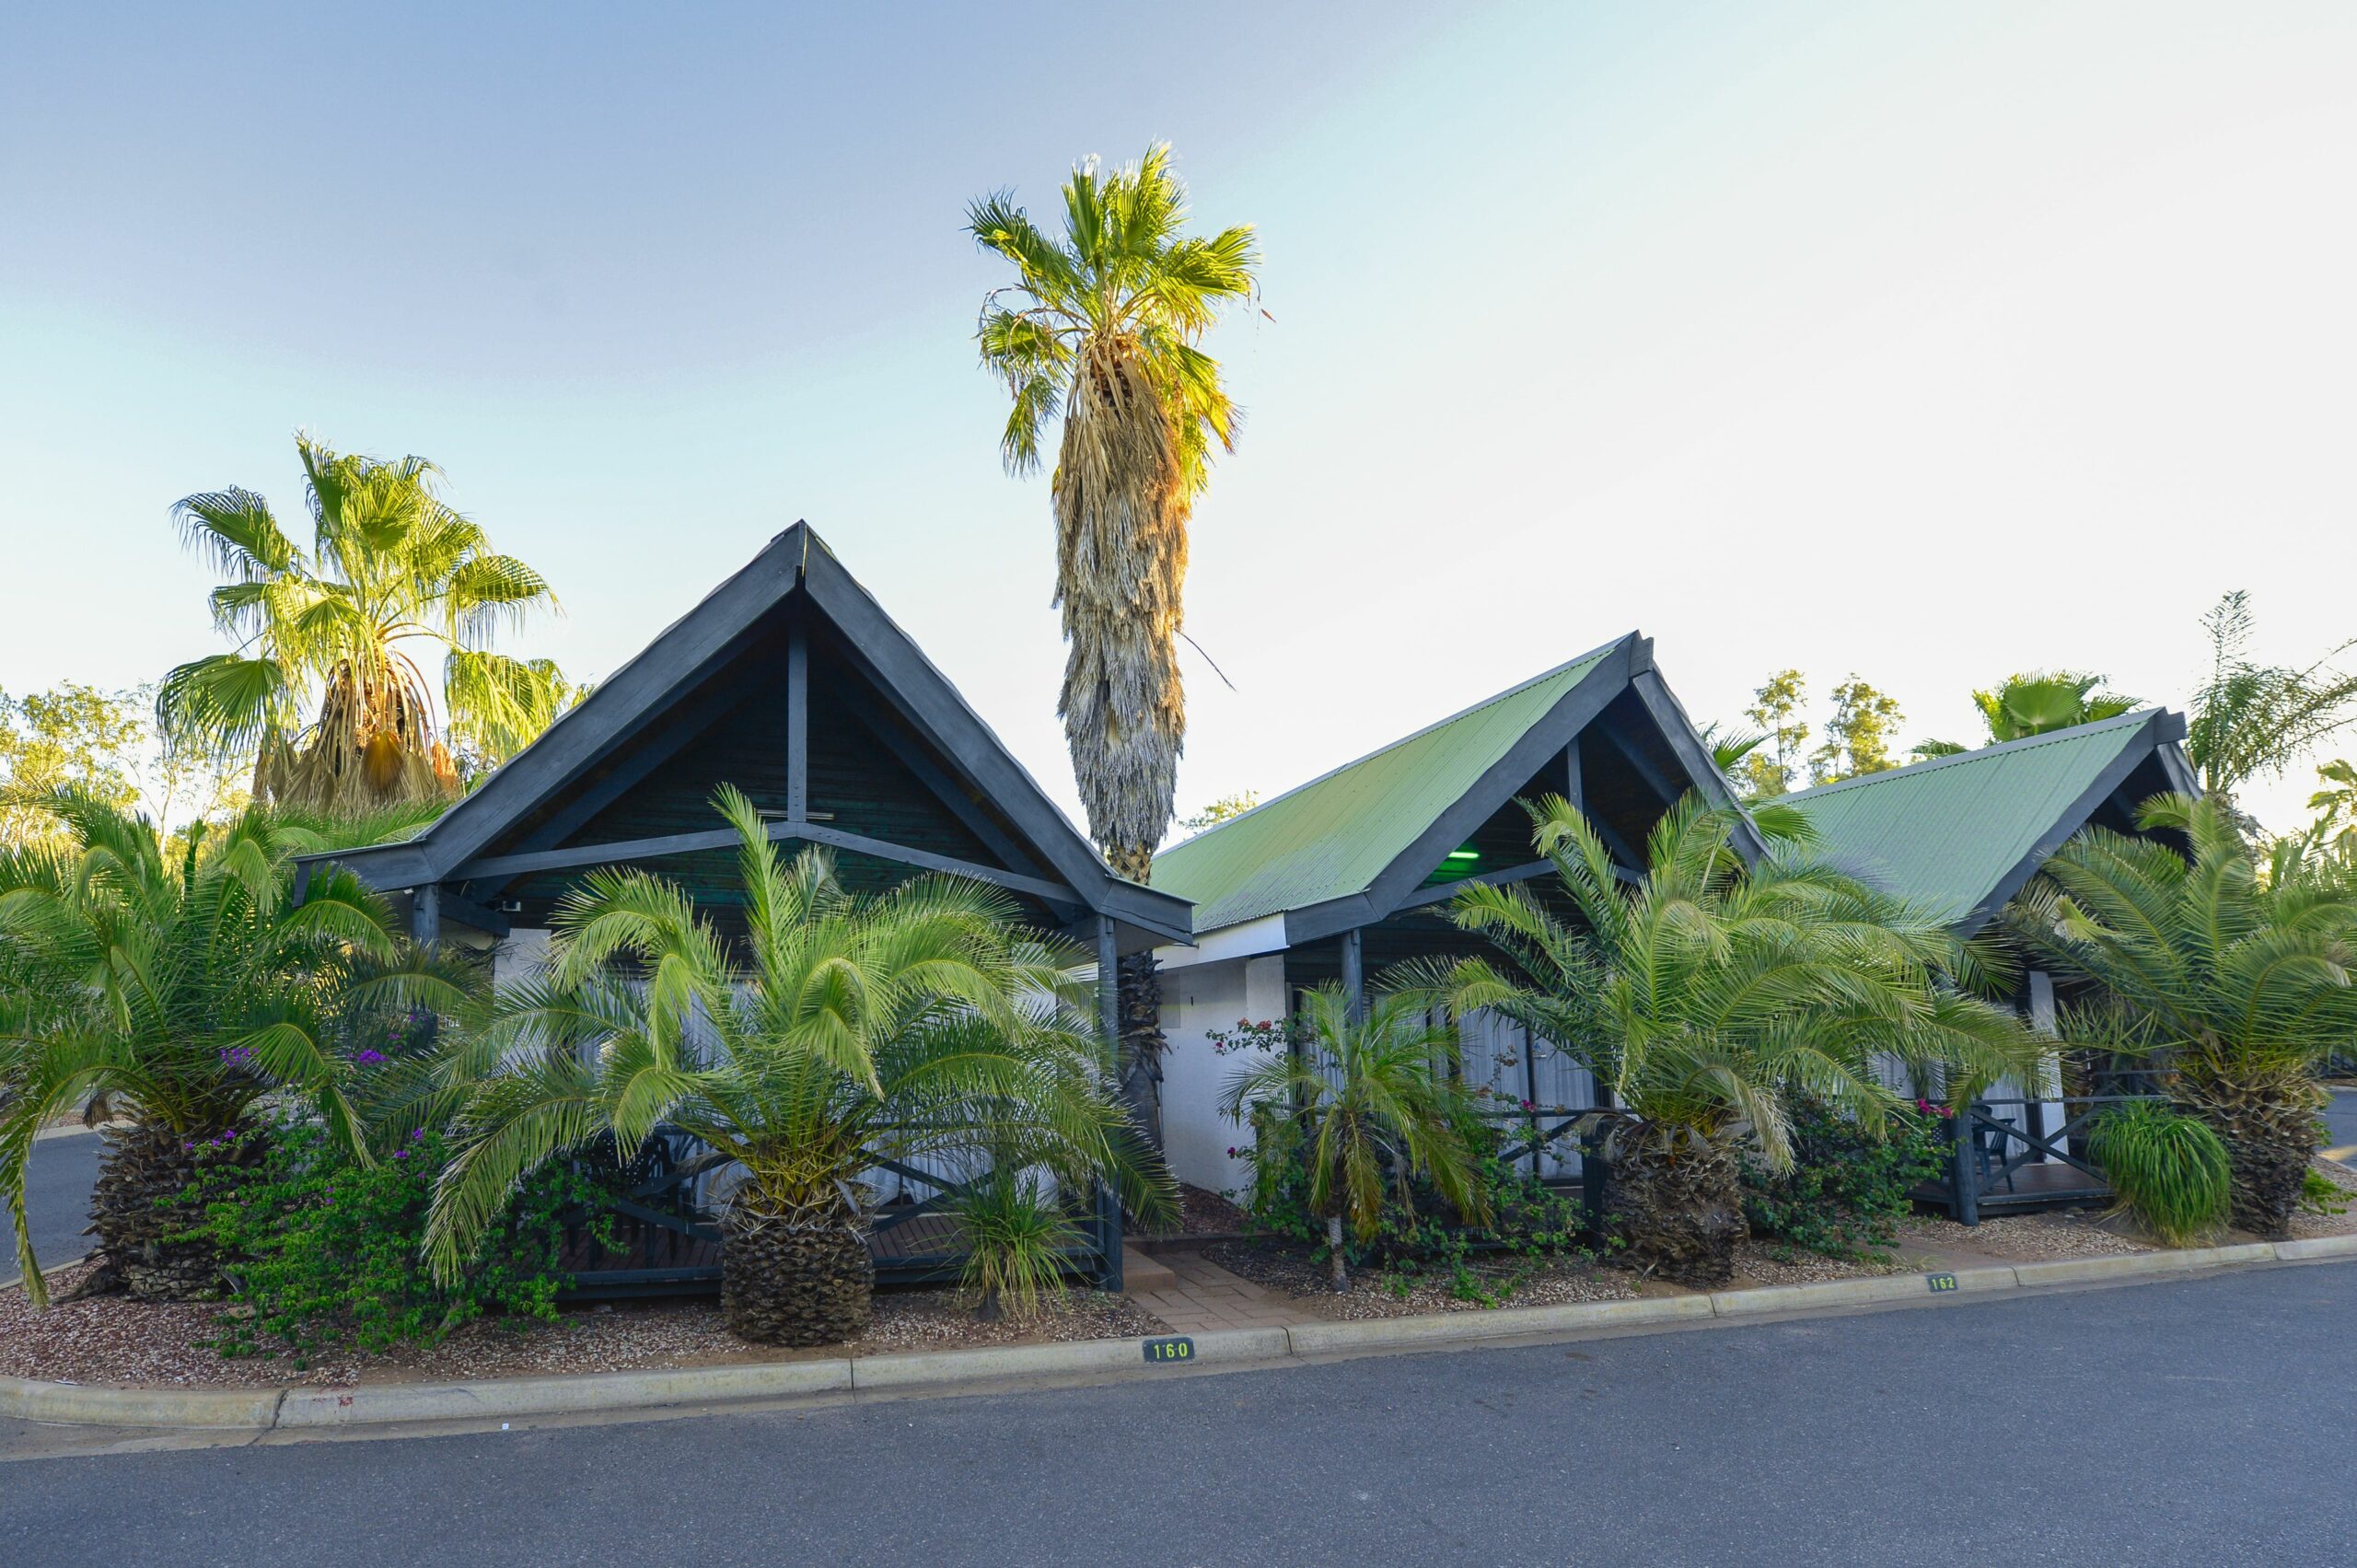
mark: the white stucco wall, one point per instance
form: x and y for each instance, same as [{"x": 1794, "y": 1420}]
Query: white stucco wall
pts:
[
  {"x": 1196, "y": 999},
  {"x": 518, "y": 955}
]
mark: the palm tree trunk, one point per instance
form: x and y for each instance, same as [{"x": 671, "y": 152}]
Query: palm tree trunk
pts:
[
  {"x": 1142, "y": 1042},
  {"x": 146, "y": 1201},
  {"x": 1336, "y": 1265},
  {"x": 792, "y": 1281},
  {"x": 1679, "y": 1210},
  {"x": 2269, "y": 1128}
]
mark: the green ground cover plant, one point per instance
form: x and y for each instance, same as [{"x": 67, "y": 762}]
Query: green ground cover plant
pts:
[
  {"x": 1846, "y": 1192},
  {"x": 323, "y": 1251}
]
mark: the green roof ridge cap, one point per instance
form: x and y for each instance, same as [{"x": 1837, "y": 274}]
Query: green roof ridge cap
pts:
[{"x": 1917, "y": 769}]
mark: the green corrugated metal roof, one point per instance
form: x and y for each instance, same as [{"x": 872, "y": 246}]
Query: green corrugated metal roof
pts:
[
  {"x": 1330, "y": 837},
  {"x": 1944, "y": 833}
]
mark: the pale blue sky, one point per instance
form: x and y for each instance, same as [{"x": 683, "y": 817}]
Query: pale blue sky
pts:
[{"x": 1928, "y": 341}]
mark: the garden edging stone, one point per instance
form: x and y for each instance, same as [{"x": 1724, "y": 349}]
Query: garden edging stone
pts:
[{"x": 394, "y": 1403}]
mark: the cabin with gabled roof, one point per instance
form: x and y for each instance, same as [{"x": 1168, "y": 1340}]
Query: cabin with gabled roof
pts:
[
  {"x": 790, "y": 683},
  {"x": 1958, "y": 836},
  {"x": 1342, "y": 876}
]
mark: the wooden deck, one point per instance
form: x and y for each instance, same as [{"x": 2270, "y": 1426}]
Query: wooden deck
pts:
[{"x": 2044, "y": 1185}]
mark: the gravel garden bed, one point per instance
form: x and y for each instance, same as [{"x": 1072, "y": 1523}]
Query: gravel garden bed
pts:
[
  {"x": 2024, "y": 1238},
  {"x": 2343, "y": 1176},
  {"x": 1759, "y": 1263},
  {"x": 1200, "y": 1212},
  {"x": 113, "y": 1339},
  {"x": 1286, "y": 1268}
]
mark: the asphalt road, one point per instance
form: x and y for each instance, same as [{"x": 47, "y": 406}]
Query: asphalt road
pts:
[
  {"x": 57, "y": 1196},
  {"x": 2340, "y": 1118},
  {"x": 2202, "y": 1422}
]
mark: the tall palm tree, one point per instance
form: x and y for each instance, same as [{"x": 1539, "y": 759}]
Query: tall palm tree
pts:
[
  {"x": 923, "y": 1024},
  {"x": 1377, "y": 1114},
  {"x": 177, "y": 992},
  {"x": 2252, "y": 720},
  {"x": 2240, "y": 982},
  {"x": 322, "y": 684},
  {"x": 1101, "y": 327},
  {"x": 2036, "y": 703},
  {"x": 1709, "y": 994}
]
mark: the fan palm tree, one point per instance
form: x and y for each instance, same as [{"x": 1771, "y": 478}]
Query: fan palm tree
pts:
[
  {"x": 322, "y": 685},
  {"x": 1102, "y": 328},
  {"x": 923, "y": 1024},
  {"x": 1707, "y": 996},
  {"x": 177, "y": 992},
  {"x": 1376, "y": 1112},
  {"x": 2242, "y": 981},
  {"x": 2038, "y": 703}
]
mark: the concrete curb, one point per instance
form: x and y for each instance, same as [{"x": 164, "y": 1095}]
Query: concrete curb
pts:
[
  {"x": 396, "y": 1403},
  {"x": 1364, "y": 1335}
]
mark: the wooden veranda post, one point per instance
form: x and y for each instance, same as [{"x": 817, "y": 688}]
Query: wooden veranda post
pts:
[
  {"x": 425, "y": 915},
  {"x": 1108, "y": 1020},
  {"x": 1354, "y": 974}
]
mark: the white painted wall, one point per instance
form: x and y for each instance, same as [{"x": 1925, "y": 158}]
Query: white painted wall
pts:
[
  {"x": 519, "y": 955},
  {"x": 1196, "y": 999}
]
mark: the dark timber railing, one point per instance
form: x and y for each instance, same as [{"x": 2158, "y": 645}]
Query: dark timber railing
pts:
[
  {"x": 658, "y": 1233},
  {"x": 1999, "y": 1163}
]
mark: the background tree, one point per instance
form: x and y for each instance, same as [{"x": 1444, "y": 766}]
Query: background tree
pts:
[
  {"x": 104, "y": 743},
  {"x": 2036, "y": 703},
  {"x": 1100, "y": 328},
  {"x": 322, "y": 685},
  {"x": 1858, "y": 736},
  {"x": 1221, "y": 810},
  {"x": 176, "y": 992},
  {"x": 72, "y": 736},
  {"x": 1776, "y": 712},
  {"x": 2254, "y": 721},
  {"x": 2336, "y": 804},
  {"x": 2238, "y": 982}
]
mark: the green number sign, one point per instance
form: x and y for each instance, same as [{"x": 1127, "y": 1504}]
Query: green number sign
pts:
[
  {"x": 1940, "y": 1283},
  {"x": 1177, "y": 1347}
]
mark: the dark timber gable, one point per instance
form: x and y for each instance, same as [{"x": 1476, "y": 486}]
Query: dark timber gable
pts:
[{"x": 790, "y": 683}]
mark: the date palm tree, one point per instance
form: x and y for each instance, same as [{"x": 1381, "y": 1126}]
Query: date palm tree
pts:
[
  {"x": 1376, "y": 1112},
  {"x": 1707, "y": 996},
  {"x": 2240, "y": 982},
  {"x": 923, "y": 1024},
  {"x": 175, "y": 991},
  {"x": 323, "y": 686}
]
